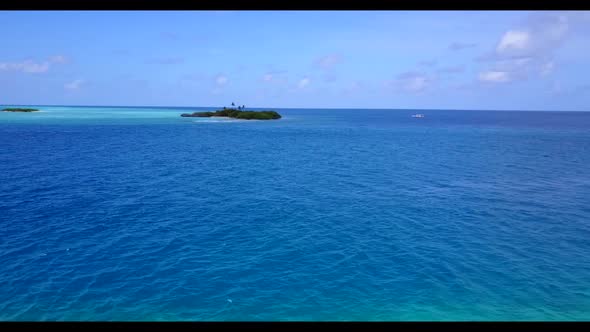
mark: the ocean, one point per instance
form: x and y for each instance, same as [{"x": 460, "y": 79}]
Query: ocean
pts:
[{"x": 137, "y": 214}]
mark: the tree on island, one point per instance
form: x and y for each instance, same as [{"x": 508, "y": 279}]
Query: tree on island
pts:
[{"x": 239, "y": 107}]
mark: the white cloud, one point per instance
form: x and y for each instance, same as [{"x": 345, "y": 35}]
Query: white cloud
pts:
[
  {"x": 221, "y": 80},
  {"x": 539, "y": 35},
  {"x": 352, "y": 88},
  {"x": 494, "y": 76},
  {"x": 26, "y": 66},
  {"x": 33, "y": 67},
  {"x": 275, "y": 77},
  {"x": 417, "y": 84},
  {"x": 505, "y": 70},
  {"x": 519, "y": 62},
  {"x": 514, "y": 40},
  {"x": 553, "y": 28},
  {"x": 513, "y": 65},
  {"x": 414, "y": 82},
  {"x": 303, "y": 83},
  {"x": 547, "y": 68},
  {"x": 58, "y": 59},
  {"x": 529, "y": 49},
  {"x": 74, "y": 85}
]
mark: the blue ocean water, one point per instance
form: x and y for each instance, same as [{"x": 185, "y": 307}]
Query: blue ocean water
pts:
[{"x": 331, "y": 215}]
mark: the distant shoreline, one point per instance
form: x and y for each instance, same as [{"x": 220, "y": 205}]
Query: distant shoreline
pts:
[
  {"x": 20, "y": 110},
  {"x": 304, "y": 108}
]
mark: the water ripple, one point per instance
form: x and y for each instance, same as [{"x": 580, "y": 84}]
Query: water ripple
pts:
[{"x": 331, "y": 218}]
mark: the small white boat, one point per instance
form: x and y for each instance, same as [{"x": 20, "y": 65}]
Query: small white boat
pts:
[{"x": 418, "y": 115}]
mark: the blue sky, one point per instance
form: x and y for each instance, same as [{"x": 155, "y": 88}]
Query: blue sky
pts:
[{"x": 339, "y": 59}]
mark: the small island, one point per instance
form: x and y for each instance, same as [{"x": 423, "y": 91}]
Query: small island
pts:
[
  {"x": 236, "y": 113},
  {"x": 24, "y": 110}
]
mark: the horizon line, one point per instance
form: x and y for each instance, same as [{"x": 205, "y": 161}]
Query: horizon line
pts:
[{"x": 316, "y": 108}]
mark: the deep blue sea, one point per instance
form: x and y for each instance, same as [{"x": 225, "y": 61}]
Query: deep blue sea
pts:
[{"x": 324, "y": 215}]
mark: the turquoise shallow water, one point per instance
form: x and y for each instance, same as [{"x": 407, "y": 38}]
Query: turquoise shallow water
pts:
[{"x": 138, "y": 214}]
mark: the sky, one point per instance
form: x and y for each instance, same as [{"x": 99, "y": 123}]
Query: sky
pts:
[{"x": 491, "y": 60}]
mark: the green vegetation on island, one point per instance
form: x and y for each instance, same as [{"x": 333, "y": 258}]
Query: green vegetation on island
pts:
[
  {"x": 236, "y": 113},
  {"x": 25, "y": 110}
]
